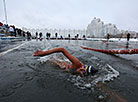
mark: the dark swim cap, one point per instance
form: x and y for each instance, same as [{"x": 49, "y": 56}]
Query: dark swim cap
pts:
[
  {"x": 91, "y": 70},
  {"x": 86, "y": 70}
]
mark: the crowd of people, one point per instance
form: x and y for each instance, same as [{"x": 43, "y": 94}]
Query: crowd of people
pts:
[
  {"x": 39, "y": 35},
  {"x": 3, "y": 28},
  {"x": 11, "y": 30}
]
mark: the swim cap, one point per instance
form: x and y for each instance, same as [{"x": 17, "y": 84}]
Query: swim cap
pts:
[
  {"x": 91, "y": 70},
  {"x": 86, "y": 70}
]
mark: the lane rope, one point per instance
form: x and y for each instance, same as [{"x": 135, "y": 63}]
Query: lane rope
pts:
[{"x": 128, "y": 51}]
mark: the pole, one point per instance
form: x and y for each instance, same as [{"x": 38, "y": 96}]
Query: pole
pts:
[{"x": 5, "y": 11}]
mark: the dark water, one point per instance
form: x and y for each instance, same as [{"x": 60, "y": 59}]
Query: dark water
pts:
[
  {"x": 24, "y": 78},
  {"x": 8, "y": 44}
]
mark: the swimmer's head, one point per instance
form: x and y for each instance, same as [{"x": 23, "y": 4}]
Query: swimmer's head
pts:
[{"x": 87, "y": 70}]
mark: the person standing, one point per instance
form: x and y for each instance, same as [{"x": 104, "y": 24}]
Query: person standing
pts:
[
  {"x": 1, "y": 24},
  {"x": 84, "y": 37},
  {"x": 40, "y": 35},
  {"x": 36, "y": 35},
  {"x": 19, "y": 32},
  {"x": 14, "y": 30},
  {"x": 47, "y": 35},
  {"x": 28, "y": 35},
  {"x": 69, "y": 36},
  {"x": 77, "y": 36},
  {"x": 108, "y": 37},
  {"x": 24, "y": 34},
  {"x": 11, "y": 30},
  {"x": 56, "y": 35},
  {"x": 128, "y": 36}
]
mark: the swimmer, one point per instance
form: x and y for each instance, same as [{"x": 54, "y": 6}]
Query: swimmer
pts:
[{"x": 75, "y": 66}]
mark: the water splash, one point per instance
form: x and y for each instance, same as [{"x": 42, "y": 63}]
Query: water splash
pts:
[
  {"x": 112, "y": 73},
  {"x": 108, "y": 73}
]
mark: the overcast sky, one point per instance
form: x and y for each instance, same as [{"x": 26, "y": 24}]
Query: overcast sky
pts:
[{"x": 70, "y": 14}]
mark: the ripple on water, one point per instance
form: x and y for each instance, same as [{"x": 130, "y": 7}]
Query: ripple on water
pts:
[
  {"x": 6, "y": 92},
  {"x": 16, "y": 85}
]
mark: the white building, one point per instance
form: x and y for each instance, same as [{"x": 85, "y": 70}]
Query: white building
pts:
[{"x": 97, "y": 28}]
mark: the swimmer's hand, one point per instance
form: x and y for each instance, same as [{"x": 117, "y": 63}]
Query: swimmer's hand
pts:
[{"x": 39, "y": 53}]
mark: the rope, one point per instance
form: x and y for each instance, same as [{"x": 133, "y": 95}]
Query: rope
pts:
[{"x": 129, "y": 51}]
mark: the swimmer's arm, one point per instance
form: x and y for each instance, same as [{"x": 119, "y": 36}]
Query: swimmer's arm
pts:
[
  {"x": 74, "y": 60},
  {"x": 43, "y": 53}
]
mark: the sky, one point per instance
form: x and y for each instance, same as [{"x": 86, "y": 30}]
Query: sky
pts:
[{"x": 70, "y": 14}]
